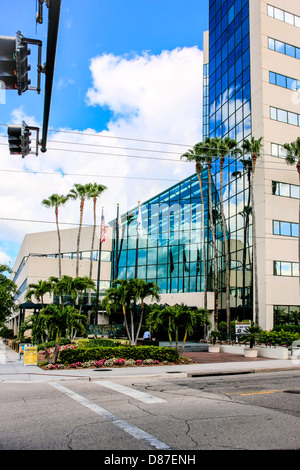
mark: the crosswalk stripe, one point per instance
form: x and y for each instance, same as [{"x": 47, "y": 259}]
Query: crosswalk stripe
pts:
[
  {"x": 120, "y": 423},
  {"x": 138, "y": 395}
]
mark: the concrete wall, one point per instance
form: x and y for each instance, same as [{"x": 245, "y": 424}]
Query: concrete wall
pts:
[{"x": 273, "y": 290}]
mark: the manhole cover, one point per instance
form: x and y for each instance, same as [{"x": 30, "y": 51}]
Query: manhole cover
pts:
[
  {"x": 292, "y": 391},
  {"x": 101, "y": 370}
]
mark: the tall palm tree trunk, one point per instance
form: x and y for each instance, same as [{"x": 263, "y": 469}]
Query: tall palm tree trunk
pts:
[
  {"x": 216, "y": 289},
  {"x": 59, "y": 243},
  {"x": 203, "y": 227},
  {"x": 93, "y": 237},
  {"x": 226, "y": 250},
  {"x": 79, "y": 235},
  {"x": 254, "y": 244},
  {"x": 92, "y": 248},
  {"x": 298, "y": 169}
]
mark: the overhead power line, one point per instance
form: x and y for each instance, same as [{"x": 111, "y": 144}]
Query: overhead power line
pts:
[{"x": 52, "y": 222}]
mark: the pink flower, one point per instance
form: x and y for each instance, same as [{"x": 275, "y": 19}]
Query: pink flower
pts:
[
  {"x": 119, "y": 362},
  {"x": 99, "y": 363}
]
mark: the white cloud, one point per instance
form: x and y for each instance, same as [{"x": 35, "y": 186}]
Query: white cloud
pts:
[
  {"x": 4, "y": 258},
  {"x": 152, "y": 98}
]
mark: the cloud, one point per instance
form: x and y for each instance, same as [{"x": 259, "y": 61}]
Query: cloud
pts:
[
  {"x": 156, "y": 96},
  {"x": 4, "y": 258},
  {"x": 153, "y": 98}
]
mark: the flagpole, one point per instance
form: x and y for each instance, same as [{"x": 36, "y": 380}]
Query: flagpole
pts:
[
  {"x": 99, "y": 261},
  {"x": 137, "y": 241}
]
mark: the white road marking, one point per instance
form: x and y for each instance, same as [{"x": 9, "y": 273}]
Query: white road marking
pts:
[
  {"x": 122, "y": 424},
  {"x": 141, "y": 396}
]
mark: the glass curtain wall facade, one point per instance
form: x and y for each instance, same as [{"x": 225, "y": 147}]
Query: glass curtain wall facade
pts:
[
  {"x": 169, "y": 251},
  {"x": 230, "y": 116}
]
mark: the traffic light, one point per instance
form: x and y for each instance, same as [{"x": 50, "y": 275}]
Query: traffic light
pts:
[
  {"x": 25, "y": 140},
  {"x": 22, "y": 67},
  {"x": 14, "y": 140},
  {"x": 7, "y": 62},
  {"x": 14, "y": 66},
  {"x": 19, "y": 140}
]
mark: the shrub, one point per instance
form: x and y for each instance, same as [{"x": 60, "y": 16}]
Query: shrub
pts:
[
  {"x": 110, "y": 362},
  {"x": 99, "y": 363},
  {"x": 6, "y": 332},
  {"x": 100, "y": 342},
  {"x": 74, "y": 365},
  {"x": 126, "y": 352},
  {"x": 119, "y": 362},
  {"x": 148, "y": 361},
  {"x": 130, "y": 362}
]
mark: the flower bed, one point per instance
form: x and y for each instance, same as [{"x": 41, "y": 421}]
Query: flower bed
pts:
[
  {"x": 158, "y": 353},
  {"x": 114, "y": 362}
]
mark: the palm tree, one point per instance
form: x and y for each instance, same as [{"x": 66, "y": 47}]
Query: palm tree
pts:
[
  {"x": 56, "y": 201},
  {"x": 254, "y": 147},
  {"x": 192, "y": 155},
  {"x": 119, "y": 296},
  {"x": 206, "y": 151},
  {"x": 144, "y": 289},
  {"x": 293, "y": 156},
  {"x": 126, "y": 292},
  {"x": 70, "y": 286},
  {"x": 162, "y": 318},
  {"x": 82, "y": 192},
  {"x": 95, "y": 191},
  {"x": 38, "y": 290},
  {"x": 245, "y": 213},
  {"x": 224, "y": 147}
]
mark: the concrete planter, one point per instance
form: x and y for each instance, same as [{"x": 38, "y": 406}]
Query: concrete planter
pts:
[
  {"x": 213, "y": 348},
  {"x": 250, "y": 352}
]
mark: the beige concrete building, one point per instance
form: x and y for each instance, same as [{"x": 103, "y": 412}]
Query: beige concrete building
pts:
[
  {"x": 38, "y": 260},
  {"x": 252, "y": 89},
  {"x": 275, "y": 93}
]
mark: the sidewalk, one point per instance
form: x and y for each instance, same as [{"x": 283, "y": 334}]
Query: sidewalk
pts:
[{"x": 12, "y": 368}]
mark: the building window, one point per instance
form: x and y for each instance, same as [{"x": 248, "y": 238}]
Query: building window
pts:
[
  {"x": 284, "y": 16},
  {"x": 284, "y": 81},
  {"x": 285, "y": 189},
  {"x": 284, "y": 268},
  {"x": 287, "y": 229},
  {"x": 284, "y": 48},
  {"x": 278, "y": 151},
  {"x": 286, "y": 314},
  {"x": 284, "y": 116}
]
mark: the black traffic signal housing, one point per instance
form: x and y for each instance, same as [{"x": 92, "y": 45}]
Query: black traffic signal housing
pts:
[
  {"x": 14, "y": 66},
  {"x": 22, "y": 66},
  {"x": 19, "y": 140}
]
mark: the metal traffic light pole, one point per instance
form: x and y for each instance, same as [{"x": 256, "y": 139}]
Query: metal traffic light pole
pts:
[{"x": 53, "y": 23}]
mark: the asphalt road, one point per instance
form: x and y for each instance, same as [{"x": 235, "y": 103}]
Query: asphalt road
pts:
[{"x": 160, "y": 416}]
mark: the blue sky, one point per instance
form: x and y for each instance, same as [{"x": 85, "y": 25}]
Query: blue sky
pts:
[{"x": 124, "y": 69}]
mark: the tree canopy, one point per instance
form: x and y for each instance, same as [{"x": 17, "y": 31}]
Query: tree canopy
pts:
[{"x": 8, "y": 290}]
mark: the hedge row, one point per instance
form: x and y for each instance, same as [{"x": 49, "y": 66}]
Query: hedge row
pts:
[{"x": 158, "y": 353}]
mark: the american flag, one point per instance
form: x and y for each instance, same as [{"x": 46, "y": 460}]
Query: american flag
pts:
[{"x": 103, "y": 228}]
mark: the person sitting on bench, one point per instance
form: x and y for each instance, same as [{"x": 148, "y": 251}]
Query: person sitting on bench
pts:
[{"x": 147, "y": 335}]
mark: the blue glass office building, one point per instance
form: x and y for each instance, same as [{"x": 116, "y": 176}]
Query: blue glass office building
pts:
[{"x": 171, "y": 250}]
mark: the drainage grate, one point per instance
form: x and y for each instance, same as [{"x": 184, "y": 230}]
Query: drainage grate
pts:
[
  {"x": 175, "y": 372},
  {"x": 101, "y": 370},
  {"x": 292, "y": 391}
]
